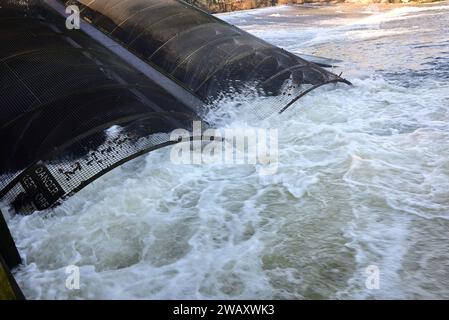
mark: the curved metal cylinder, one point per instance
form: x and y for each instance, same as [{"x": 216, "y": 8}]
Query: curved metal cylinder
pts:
[
  {"x": 204, "y": 54},
  {"x": 72, "y": 109}
]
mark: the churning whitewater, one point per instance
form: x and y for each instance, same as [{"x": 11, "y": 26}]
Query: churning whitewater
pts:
[{"x": 362, "y": 181}]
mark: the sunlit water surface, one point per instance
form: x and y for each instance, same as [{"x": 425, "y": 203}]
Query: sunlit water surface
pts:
[{"x": 363, "y": 180}]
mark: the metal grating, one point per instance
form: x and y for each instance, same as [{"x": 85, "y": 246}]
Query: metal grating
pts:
[
  {"x": 71, "y": 110},
  {"x": 60, "y": 94},
  {"x": 204, "y": 54}
]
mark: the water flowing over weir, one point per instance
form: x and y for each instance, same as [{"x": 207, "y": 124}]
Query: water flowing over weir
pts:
[
  {"x": 362, "y": 180},
  {"x": 73, "y": 109}
]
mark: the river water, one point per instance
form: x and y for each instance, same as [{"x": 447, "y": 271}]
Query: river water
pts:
[{"x": 362, "y": 184}]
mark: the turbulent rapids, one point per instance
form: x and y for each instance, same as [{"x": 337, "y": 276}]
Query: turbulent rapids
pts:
[
  {"x": 362, "y": 182},
  {"x": 61, "y": 90}
]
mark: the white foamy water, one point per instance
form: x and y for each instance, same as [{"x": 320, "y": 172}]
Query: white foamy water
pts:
[{"x": 363, "y": 180}]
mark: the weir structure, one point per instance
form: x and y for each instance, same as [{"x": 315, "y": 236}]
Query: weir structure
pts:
[
  {"x": 74, "y": 104},
  {"x": 77, "y": 103}
]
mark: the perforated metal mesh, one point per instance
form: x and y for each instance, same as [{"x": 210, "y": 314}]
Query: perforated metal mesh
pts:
[
  {"x": 60, "y": 94},
  {"x": 204, "y": 54},
  {"x": 71, "y": 110}
]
